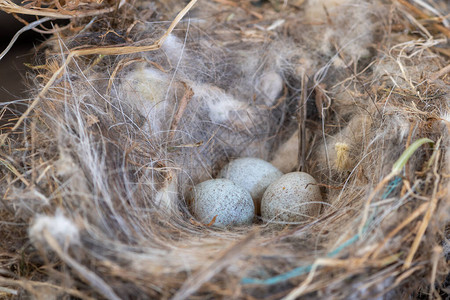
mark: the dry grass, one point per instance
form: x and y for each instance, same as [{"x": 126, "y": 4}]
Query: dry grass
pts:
[{"x": 383, "y": 232}]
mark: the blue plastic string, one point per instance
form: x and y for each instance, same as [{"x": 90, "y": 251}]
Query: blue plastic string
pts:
[
  {"x": 279, "y": 278},
  {"x": 391, "y": 186},
  {"x": 344, "y": 245},
  {"x": 305, "y": 269}
]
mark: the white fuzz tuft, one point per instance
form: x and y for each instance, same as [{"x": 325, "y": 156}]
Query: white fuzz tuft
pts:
[
  {"x": 58, "y": 226},
  {"x": 223, "y": 107},
  {"x": 271, "y": 86},
  {"x": 220, "y": 109},
  {"x": 145, "y": 89},
  {"x": 446, "y": 118},
  {"x": 173, "y": 48}
]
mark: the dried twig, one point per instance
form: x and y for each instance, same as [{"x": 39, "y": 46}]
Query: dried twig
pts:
[{"x": 426, "y": 219}]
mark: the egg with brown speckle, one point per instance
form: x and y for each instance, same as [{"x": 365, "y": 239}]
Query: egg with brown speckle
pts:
[
  {"x": 222, "y": 203},
  {"x": 294, "y": 197}
]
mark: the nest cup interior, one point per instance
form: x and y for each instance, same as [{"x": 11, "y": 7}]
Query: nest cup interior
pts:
[{"x": 135, "y": 103}]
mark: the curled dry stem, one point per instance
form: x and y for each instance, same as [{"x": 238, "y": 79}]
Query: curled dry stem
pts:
[{"x": 10, "y": 7}]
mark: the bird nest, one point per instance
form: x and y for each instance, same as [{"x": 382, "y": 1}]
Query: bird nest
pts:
[{"x": 135, "y": 102}]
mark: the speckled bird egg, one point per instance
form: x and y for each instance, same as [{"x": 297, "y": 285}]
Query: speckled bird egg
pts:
[
  {"x": 292, "y": 198},
  {"x": 231, "y": 203},
  {"x": 253, "y": 174}
]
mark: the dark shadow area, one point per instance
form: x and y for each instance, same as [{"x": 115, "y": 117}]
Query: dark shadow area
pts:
[
  {"x": 12, "y": 68},
  {"x": 13, "y": 71}
]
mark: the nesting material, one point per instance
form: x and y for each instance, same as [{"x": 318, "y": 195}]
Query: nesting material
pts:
[
  {"x": 134, "y": 103},
  {"x": 253, "y": 174},
  {"x": 295, "y": 197},
  {"x": 271, "y": 86},
  {"x": 222, "y": 203},
  {"x": 147, "y": 89},
  {"x": 63, "y": 230}
]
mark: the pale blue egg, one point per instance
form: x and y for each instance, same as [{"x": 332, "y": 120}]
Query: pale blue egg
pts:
[{"x": 230, "y": 204}]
